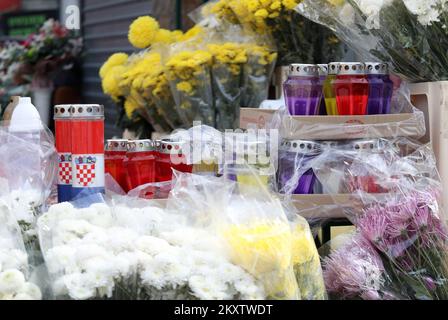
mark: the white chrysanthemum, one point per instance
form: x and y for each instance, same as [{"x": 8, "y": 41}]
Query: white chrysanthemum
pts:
[
  {"x": 143, "y": 221},
  {"x": 61, "y": 259},
  {"x": 29, "y": 291},
  {"x": 152, "y": 245},
  {"x": 194, "y": 238},
  {"x": 11, "y": 281},
  {"x": 99, "y": 237},
  {"x": 250, "y": 289},
  {"x": 167, "y": 269},
  {"x": 98, "y": 214},
  {"x": 87, "y": 251},
  {"x": 78, "y": 285},
  {"x": 121, "y": 239},
  {"x": 427, "y": 11},
  {"x": 13, "y": 259},
  {"x": 209, "y": 288},
  {"x": 79, "y": 228}
]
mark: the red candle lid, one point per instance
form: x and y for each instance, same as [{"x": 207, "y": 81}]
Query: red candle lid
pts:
[
  {"x": 117, "y": 145},
  {"x": 167, "y": 146},
  {"x": 62, "y": 111},
  {"x": 351, "y": 68},
  {"x": 87, "y": 111},
  {"x": 140, "y": 146}
]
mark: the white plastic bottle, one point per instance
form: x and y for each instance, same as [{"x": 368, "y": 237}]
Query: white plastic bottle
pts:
[{"x": 22, "y": 119}]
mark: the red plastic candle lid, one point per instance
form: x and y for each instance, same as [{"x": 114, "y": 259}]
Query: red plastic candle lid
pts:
[
  {"x": 117, "y": 145},
  {"x": 140, "y": 146},
  {"x": 62, "y": 111},
  {"x": 171, "y": 147},
  {"x": 87, "y": 111}
]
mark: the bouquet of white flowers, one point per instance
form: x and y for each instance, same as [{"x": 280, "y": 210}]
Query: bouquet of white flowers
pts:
[{"x": 124, "y": 252}]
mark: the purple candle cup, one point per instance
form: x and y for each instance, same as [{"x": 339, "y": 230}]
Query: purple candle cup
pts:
[
  {"x": 295, "y": 156},
  {"x": 380, "y": 88},
  {"x": 303, "y": 90}
]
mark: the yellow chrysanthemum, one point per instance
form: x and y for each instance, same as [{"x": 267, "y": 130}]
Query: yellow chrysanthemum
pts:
[
  {"x": 130, "y": 106},
  {"x": 187, "y": 64},
  {"x": 177, "y": 35},
  {"x": 184, "y": 86},
  {"x": 164, "y": 36},
  {"x": 193, "y": 32},
  {"x": 290, "y": 4},
  {"x": 304, "y": 248},
  {"x": 114, "y": 60},
  {"x": 143, "y": 31},
  {"x": 264, "y": 249},
  {"x": 262, "y": 13},
  {"x": 111, "y": 82}
]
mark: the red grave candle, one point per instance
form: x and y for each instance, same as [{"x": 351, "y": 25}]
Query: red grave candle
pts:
[
  {"x": 87, "y": 127},
  {"x": 171, "y": 156},
  {"x": 140, "y": 163},
  {"x": 62, "y": 118},
  {"x": 114, "y": 161},
  {"x": 352, "y": 89}
]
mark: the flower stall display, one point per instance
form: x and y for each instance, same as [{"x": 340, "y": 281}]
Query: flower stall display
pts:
[
  {"x": 14, "y": 269},
  {"x": 410, "y": 35}
]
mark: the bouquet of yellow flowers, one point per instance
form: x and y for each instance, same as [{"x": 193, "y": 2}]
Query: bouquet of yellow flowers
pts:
[
  {"x": 188, "y": 72},
  {"x": 258, "y": 71},
  {"x": 157, "y": 89},
  {"x": 296, "y": 38},
  {"x": 227, "y": 78}
]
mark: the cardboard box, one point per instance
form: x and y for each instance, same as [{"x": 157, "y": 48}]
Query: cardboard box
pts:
[
  {"x": 325, "y": 206},
  {"x": 337, "y": 127},
  {"x": 432, "y": 99}
]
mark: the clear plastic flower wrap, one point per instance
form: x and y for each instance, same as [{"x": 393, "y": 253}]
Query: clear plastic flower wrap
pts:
[
  {"x": 404, "y": 121},
  {"x": 14, "y": 269},
  {"x": 261, "y": 60},
  {"x": 227, "y": 78},
  {"x": 188, "y": 72},
  {"x": 28, "y": 170},
  {"x": 410, "y": 35},
  {"x": 259, "y": 235}
]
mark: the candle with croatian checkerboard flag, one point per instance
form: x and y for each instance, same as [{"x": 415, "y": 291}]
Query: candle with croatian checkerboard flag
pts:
[
  {"x": 62, "y": 123},
  {"x": 87, "y": 127}
]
